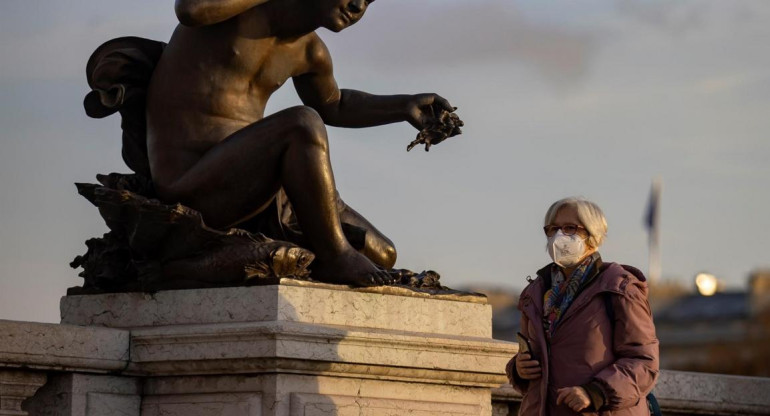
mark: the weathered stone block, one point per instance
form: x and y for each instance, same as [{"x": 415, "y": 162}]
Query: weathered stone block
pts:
[{"x": 389, "y": 308}]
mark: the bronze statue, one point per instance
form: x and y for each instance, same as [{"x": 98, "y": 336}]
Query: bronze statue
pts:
[{"x": 210, "y": 148}]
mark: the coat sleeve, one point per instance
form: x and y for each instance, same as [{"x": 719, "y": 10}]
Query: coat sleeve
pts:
[
  {"x": 633, "y": 374},
  {"x": 518, "y": 383}
]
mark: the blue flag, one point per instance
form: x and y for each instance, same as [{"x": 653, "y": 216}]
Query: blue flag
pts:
[{"x": 651, "y": 215}]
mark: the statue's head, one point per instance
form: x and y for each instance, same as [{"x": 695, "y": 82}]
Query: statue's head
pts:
[{"x": 337, "y": 15}]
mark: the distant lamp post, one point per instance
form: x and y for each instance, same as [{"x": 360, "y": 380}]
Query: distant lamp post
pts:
[{"x": 707, "y": 284}]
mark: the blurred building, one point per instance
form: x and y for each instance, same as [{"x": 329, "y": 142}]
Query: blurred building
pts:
[
  {"x": 505, "y": 315},
  {"x": 727, "y": 332},
  {"x": 706, "y": 333}
]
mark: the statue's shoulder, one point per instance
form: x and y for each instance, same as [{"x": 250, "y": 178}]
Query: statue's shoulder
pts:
[
  {"x": 315, "y": 48},
  {"x": 317, "y": 58}
]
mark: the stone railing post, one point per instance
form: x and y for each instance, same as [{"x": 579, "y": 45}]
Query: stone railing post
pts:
[{"x": 15, "y": 387}]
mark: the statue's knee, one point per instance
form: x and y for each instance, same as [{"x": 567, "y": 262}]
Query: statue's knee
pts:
[
  {"x": 384, "y": 255},
  {"x": 389, "y": 256},
  {"x": 310, "y": 126}
]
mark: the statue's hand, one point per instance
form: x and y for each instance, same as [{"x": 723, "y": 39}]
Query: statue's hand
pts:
[
  {"x": 435, "y": 118},
  {"x": 424, "y": 110}
]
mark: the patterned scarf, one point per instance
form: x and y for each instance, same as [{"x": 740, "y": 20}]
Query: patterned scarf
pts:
[{"x": 562, "y": 292}]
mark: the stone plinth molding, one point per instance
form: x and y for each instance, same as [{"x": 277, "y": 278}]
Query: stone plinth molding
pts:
[{"x": 385, "y": 308}]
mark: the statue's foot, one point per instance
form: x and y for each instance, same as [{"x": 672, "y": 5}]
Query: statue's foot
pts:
[{"x": 351, "y": 268}]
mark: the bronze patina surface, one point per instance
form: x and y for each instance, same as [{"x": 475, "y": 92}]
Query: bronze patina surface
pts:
[{"x": 196, "y": 136}]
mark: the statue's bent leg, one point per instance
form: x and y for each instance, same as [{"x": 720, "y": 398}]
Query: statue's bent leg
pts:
[
  {"x": 240, "y": 176},
  {"x": 377, "y": 246}
]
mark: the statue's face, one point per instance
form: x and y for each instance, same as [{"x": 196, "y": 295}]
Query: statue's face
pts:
[{"x": 337, "y": 15}]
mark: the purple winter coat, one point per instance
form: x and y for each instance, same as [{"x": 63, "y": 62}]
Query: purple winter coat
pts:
[{"x": 585, "y": 348}]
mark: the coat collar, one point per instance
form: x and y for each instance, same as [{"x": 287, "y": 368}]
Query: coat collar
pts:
[
  {"x": 606, "y": 277},
  {"x": 598, "y": 267}
]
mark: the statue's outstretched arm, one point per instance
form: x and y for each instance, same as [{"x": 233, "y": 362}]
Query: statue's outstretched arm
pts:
[
  {"x": 208, "y": 12},
  {"x": 350, "y": 108}
]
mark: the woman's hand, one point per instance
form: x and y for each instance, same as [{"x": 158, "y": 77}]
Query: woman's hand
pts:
[
  {"x": 527, "y": 368},
  {"x": 575, "y": 397}
]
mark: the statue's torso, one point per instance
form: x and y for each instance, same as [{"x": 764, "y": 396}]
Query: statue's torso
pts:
[{"x": 211, "y": 82}]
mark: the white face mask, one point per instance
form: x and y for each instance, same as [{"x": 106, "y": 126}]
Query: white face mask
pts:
[{"x": 566, "y": 250}]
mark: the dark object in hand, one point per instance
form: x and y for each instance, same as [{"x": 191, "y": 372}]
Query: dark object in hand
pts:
[
  {"x": 447, "y": 125},
  {"x": 524, "y": 345},
  {"x": 427, "y": 279}
]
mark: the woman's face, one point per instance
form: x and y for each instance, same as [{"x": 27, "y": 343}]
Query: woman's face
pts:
[{"x": 568, "y": 216}]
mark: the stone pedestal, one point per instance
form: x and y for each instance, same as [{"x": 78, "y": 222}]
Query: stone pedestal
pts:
[{"x": 302, "y": 349}]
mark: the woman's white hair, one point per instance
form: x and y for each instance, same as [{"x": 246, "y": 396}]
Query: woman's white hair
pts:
[{"x": 590, "y": 215}]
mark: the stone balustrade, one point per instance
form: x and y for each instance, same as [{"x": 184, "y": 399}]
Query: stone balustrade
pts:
[
  {"x": 293, "y": 349},
  {"x": 33, "y": 353},
  {"x": 290, "y": 349},
  {"x": 684, "y": 393}
]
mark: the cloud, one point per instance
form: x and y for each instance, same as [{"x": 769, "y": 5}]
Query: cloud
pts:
[
  {"x": 57, "y": 42},
  {"x": 431, "y": 34},
  {"x": 674, "y": 17},
  {"x": 422, "y": 35},
  {"x": 720, "y": 84},
  {"x": 682, "y": 17}
]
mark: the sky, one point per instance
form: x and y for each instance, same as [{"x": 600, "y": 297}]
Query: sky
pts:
[{"x": 592, "y": 98}]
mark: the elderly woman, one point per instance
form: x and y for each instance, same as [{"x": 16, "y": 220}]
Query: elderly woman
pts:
[{"x": 587, "y": 341}]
